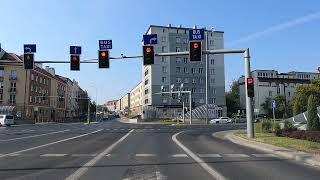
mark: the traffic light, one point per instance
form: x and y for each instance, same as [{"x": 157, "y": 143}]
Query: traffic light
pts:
[
  {"x": 195, "y": 49},
  {"x": 148, "y": 55},
  {"x": 75, "y": 63},
  {"x": 250, "y": 87},
  {"x": 28, "y": 61},
  {"x": 104, "y": 59}
]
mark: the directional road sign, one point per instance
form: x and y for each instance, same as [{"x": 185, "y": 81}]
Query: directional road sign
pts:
[
  {"x": 29, "y": 48},
  {"x": 273, "y": 104},
  {"x": 76, "y": 50},
  {"x": 150, "y": 39},
  {"x": 105, "y": 44},
  {"x": 196, "y": 34}
]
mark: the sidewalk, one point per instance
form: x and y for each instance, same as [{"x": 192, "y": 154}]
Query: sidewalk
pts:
[{"x": 298, "y": 156}]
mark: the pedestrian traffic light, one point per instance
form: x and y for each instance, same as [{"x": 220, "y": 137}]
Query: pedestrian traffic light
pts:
[
  {"x": 250, "y": 87},
  {"x": 195, "y": 51},
  {"x": 75, "y": 63},
  {"x": 148, "y": 55},
  {"x": 28, "y": 61},
  {"x": 104, "y": 59}
]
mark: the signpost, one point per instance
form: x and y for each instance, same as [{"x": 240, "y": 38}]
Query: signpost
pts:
[
  {"x": 75, "y": 50},
  {"x": 196, "y": 34},
  {"x": 105, "y": 44},
  {"x": 150, "y": 39},
  {"x": 273, "y": 105},
  {"x": 29, "y": 48}
]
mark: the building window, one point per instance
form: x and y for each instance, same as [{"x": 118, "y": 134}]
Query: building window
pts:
[
  {"x": 200, "y": 70},
  {"x": 40, "y": 80},
  {"x": 178, "y": 59},
  {"x": 146, "y": 72},
  {"x": 193, "y": 90},
  {"x": 278, "y": 91},
  {"x": 146, "y": 82},
  {"x": 185, "y": 60},
  {"x": 213, "y": 100},
  {"x": 32, "y": 76},
  {"x": 30, "y": 99},
  {"x": 13, "y": 87},
  {"x": 31, "y": 87},
  {"x": 177, "y": 49},
  {"x": 211, "y": 42},
  {"x": 178, "y": 80},
  {"x": 185, "y": 70},
  {"x": 1, "y": 98},
  {"x": 289, "y": 94},
  {"x": 177, "y": 39},
  {"x": 164, "y": 39},
  {"x": 193, "y": 70},
  {"x": 146, "y": 101},
  {"x": 201, "y": 80},
  {"x": 186, "y": 80},
  {"x": 194, "y": 81},
  {"x": 164, "y": 69},
  {"x": 163, "y": 59},
  {"x": 214, "y": 91},
  {"x": 1, "y": 85},
  {"x": 164, "y": 100},
  {"x": 164, "y": 49},
  {"x": 1, "y": 73},
  {"x": 212, "y": 80},
  {"x": 185, "y": 40},
  {"x": 201, "y": 100},
  {"x": 164, "y": 79},
  {"x": 13, "y": 75},
  {"x": 270, "y": 93},
  {"x": 201, "y": 90},
  {"x": 146, "y": 91},
  {"x": 178, "y": 69},
  {"x": 36, "y": 78},
  {"x": 212, "y": 61},
  {"x": 12, "y": 98},
  {"x": 212, "y": 71}
]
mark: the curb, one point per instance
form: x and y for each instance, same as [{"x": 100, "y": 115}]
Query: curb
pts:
[{"x": 301, "y": 157}]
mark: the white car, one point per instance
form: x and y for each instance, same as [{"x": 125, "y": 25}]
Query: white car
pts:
[
  {"x": 6, "y": 120},
  {"x": 221, "y": 120}
]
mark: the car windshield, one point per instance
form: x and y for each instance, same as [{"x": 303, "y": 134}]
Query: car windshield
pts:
[{"x": 159, "y": 90}]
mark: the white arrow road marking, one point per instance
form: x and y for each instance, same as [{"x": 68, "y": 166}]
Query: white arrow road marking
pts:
[
  {"x": 48, "y": 144},
  {"x": 215, "y": 174},
  {"x": 38, "y": 135},
  {"x": 84, "y": 168}
]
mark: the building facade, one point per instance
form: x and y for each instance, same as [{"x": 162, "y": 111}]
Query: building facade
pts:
[
  {"x": 136, "y": 100},
  {"x": 175, "y": 70},
  {"x": 271, "y": 83},
  {"x": 111, "y": 105}
]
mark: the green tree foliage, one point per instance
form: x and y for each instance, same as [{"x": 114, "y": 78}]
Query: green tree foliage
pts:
[
  {"x": 313, "y": 120},
  {"x": 233, "y": 99},
  {"x": 266, "y": 106},
  {"x": 280, "y": 107},
  {"x": 300, "y": 101}
]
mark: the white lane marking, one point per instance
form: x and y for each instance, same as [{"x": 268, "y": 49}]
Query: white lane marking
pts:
[
  {"x": 264, "y": 155},
  {"x": 209, "y": 155},
  {"x": 38, "y": 135},
  {"x": 145, "y": 155},
  {"x": 179, "y": 155},
  {"x": 15, "y": 154},
  {"x": 82, "y": 155},
  {"x": 236, "y": 155},
  {"x": 48, "y": 144},
  {"x": 108, "y": 155},
  {"x": 77, "y": 174},
  {"x": 215, "y": 174},
  {"x": 53, "y": 155}
]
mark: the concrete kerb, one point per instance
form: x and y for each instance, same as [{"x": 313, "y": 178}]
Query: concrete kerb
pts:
[{"x": 301, "y": 157}]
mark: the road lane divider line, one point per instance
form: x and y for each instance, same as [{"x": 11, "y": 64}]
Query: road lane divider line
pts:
[
  {"x": 237, "y": 155},
  {"x": 215, "y": 174},
  {"x": 48, "y": 144},
  {"x": 53, "y": 155},
  {"x": 209, "y": 155},
  {"x": 145, "y": 155},
  {"x": 82, "y": 155},
  {"x": 38, "y": 135},
  {"x": 82, "y": 170},
  {"x": 179, "y": 155}
]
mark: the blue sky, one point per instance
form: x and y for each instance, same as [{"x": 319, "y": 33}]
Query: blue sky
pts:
[{"x": 55, "y": 25}]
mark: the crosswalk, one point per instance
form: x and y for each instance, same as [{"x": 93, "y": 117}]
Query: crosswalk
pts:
[{"x": 147, "y": 155}]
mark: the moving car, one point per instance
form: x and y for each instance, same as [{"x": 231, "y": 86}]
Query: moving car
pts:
[
  {"x": 221, "y": 120},
  {"x": 6, "y": 120}
]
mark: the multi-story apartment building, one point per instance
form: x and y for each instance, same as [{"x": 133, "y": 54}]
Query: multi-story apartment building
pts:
[
  {"x": 111, "y": 105},
  {"x": 136, "y": 99},
  {"x": 175, "y": 70},
  {"x": 270, "y": 83},
  {"x": 125, "y": 104},
  {"x": 37, "y": 95}
]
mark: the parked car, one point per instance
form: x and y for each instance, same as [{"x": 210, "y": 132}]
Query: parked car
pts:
[
  {"x": 6, "y": 120},
  {"x": 221, "y": 120}
]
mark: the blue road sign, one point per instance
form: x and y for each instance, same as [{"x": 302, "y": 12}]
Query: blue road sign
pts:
[
  {"x": 29, "y": 48},
  {"x": 105, "y": 44},
  {"x": 150, "y": 39},
  {"x": 75, "y": 50},
  {"x": 196, "y": 34},
  {"x": 273, "y": 104}
]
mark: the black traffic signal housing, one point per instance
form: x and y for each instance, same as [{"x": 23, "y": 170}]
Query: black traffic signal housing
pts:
[
  {"x": 148, "y": 55},
  {"x": 195, "y": 51},
  {"x": 104, "y": 59},
  {"x": 74, "y": 62},
  {"x": 250, "y": 87},
  {"x": 28, "y": 61}
]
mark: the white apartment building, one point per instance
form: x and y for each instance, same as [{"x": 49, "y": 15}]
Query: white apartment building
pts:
[
  {"x": 178, "y": 69},
  {"x": 270, "y": 83}
]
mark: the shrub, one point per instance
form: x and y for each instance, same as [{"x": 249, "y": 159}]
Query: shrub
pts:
[
  {"x": 288, "y": 125},
  {"x": 266, "y": 126}
]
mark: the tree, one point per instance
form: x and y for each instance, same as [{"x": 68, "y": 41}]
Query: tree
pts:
[
  {"x": 280, "y": 107},
  {"x": 233, "y": 99},
  {"x": 266, "y": 106},
  {"x": 313, "y": 120}
]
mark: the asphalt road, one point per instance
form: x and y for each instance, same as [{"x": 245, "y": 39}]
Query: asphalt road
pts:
[{"x": 114, "y": 150}]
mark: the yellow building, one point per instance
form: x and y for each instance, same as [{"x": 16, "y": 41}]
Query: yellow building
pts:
[{"x": 136, "y": 99}]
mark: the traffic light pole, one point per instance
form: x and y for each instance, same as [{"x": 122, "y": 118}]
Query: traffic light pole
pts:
[{"x": 250, "y": 129}]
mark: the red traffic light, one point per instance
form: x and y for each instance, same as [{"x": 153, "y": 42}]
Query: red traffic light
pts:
[
  {"x": 249, "y": 81},
  {"x": 75, "y": 58},
  {"x": 195, "y": 45},
  {"x": 103, "y": 54},
  {"x": 148, "y": 50},
  {"x": 28, "y": 57}
]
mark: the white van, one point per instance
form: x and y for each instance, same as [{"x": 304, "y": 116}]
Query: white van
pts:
[{"x": 6, "y": 120}]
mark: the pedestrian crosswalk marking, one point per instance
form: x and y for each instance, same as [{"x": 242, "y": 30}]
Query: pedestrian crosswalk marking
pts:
[{"x": 209, "y": 155}]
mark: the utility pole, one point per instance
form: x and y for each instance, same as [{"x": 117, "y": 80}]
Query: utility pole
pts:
[
  {"x": 207, "y": 69},
  {"x": 88, "y": 117}
]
